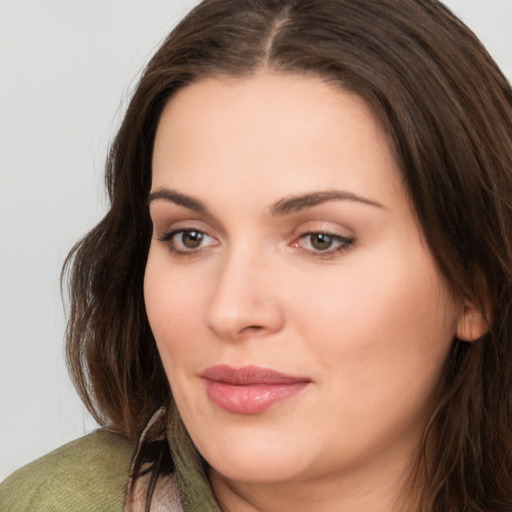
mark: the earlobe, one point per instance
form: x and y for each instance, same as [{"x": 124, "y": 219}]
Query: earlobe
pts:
[{"x": 472, "y": 323}]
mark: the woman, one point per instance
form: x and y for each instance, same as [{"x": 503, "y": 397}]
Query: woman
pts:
[{"x": 300, "y": 297}]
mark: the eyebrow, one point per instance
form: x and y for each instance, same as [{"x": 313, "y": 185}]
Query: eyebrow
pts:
[
  {"x": 301, "y": 202},
  {"x": 282, "y": 207},
  {"x": 180, "y": 199}
]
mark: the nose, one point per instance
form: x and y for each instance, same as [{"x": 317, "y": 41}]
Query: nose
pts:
[{"x": 245, "y": 299}]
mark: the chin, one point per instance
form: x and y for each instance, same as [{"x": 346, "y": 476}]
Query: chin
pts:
[
  {"x": 256, "y": 462},
  {"x": 260, "y": 471}
]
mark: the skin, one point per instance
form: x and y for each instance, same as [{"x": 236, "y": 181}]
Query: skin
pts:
[{"x": 368, "y": 319}]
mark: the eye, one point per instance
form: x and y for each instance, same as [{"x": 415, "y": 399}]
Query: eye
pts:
[
  {"x": 186, "y": 241},
  {"x": 190, "y": 239},
  {"x": 326, "y": 243}
]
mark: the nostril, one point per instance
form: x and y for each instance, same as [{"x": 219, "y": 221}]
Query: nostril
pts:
[
  {"x": 252, "y": 328},
  {"x": 251, "y": 331}
]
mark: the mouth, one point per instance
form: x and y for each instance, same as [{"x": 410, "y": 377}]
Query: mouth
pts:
[{"x": 250, "y": 389}]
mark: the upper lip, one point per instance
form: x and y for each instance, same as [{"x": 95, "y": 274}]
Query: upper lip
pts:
[{"x": 249, "y": 375}]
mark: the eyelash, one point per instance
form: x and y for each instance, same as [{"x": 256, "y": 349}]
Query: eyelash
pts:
[
  {"x": 168, "y": 239},
  {"x": 345, "y": 243}
]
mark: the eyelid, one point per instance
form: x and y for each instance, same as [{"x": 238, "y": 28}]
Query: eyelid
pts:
[
  {"x": 166, "y": 214},
  {"x": 166, "y": 225},
  {"x": 343, "y": 239},
  {"x": 166, "y": 230},
  {"x": 168, "y": 239},
  {"x": 327, "y": 227}
]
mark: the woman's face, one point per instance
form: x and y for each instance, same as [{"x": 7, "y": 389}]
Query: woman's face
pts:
[{"x": 298, "y": 311}]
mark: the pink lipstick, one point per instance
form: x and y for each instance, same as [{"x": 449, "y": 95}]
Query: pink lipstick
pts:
[{"x": 250, "y": 389}]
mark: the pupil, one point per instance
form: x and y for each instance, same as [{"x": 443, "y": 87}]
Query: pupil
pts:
[
  {"x": 192, "y": 239},
  {"x": 321, "y": 241}
]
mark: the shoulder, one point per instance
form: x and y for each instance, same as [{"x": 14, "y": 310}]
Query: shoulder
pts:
[{"x": 89, "y": 474}]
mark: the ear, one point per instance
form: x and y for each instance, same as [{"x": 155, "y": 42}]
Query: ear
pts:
[{"x": 472, "y": 323}]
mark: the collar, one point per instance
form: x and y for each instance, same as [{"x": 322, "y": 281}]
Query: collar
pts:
[{"x": 166, "y": 494}]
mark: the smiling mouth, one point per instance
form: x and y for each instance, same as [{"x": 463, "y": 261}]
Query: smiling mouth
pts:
[{"x": 250, "y": 389}]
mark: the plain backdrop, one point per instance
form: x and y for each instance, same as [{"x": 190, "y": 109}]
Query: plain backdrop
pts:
[{"x": 67, "y": 68}]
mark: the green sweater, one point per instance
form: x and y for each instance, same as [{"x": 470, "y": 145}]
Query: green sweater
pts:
[{"x": 89, "y": 474}]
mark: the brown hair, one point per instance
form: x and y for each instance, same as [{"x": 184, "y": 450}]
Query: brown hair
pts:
[{"x": 448, "y": 111}]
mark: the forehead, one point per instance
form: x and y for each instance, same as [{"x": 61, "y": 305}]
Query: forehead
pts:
[{"x": 269, "y": 129}]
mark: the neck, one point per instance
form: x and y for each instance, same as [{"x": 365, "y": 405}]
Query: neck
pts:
[{"x": 383, "y": 489}]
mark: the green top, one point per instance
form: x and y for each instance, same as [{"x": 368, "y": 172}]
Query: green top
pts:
[{"x": 89, "y": 474}]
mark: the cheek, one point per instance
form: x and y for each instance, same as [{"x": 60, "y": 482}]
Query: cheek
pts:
[
  {"x": 173, "y": 307},
  {"x": 383, "y": 318},
  {"x": 381, "y": 341}
]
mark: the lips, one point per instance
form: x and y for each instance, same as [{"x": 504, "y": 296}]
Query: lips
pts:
[{"x": 250, "y": 389}]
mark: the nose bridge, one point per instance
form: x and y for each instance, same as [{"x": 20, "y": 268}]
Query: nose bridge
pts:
[{"x": 243, "y": 299}]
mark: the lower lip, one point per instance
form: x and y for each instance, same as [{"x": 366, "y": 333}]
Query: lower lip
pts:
[{"x": 250, "y": 399}]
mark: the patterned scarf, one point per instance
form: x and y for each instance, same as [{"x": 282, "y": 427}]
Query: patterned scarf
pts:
[{"x": 185, "y": 488}]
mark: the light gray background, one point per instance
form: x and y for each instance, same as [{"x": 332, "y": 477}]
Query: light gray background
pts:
[{"x": 66, "y": 71}]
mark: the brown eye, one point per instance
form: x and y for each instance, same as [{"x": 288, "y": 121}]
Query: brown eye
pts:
[
  {"x": 182, "y": 242},
  {"x": 321, "y": 241},
  {"x": 191, "y": 239},
  {"x": 324, "y": 244}
]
